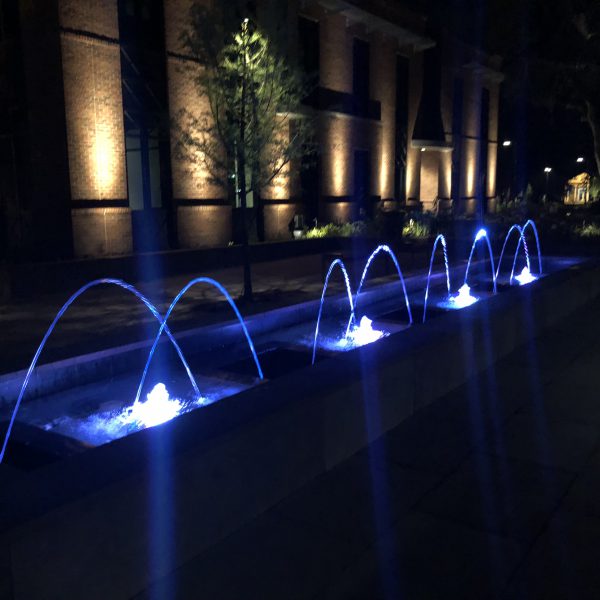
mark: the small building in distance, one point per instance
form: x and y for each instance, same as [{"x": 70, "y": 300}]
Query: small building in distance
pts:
[{"x": 577, "y": 190}]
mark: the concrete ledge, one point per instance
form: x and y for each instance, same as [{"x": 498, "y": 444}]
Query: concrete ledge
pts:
[{"x": 202, "y": 476}]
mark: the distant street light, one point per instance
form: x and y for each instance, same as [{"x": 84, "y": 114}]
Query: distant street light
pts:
[
  {"x": 506, "y": 143},
  {"x": 580, "y": 159},
  {"x": 547, "y": 170}
]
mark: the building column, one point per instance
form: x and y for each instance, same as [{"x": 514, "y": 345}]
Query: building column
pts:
[
  {"x": 413, "y": 155},
  {"x": 336, "y": 131},
  {"x": 492, "y": 162},
  {"x": 470, "y": 143},
  {"x": 91, "y": 62},
  {"x": 383, "y": 90},
  {"x": 204, "y": 213}
]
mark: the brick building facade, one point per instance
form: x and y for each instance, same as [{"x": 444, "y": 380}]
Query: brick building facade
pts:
[{"x": 404, "y": 117}]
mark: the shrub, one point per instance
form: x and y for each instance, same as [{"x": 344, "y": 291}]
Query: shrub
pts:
[
  {"x": 588, "y": 230},
  {"x": 337, "y": 230},
  {"x": 416, "y": 227}
]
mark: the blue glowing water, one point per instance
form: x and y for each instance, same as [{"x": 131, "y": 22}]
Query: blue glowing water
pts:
[
  {"x": 159, "y": 406},
  {"x": 442, "y": 239},
  {"x": 340, "y": 264},
  {"x": 529, "y": 223},
  {"x": 387, "y": 250},
  {"x": 183, "y": 290},
  {"x": 57, "y": 318},
  {"x": 522, "y": 240},
  {"x": 481, "y": 234}
]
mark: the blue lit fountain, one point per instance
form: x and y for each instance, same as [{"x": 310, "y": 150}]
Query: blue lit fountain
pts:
[
  {"x": 340, "y": 264},
  {"x": 464, "y": 297},
  {"x": 438, "y": 239},
  {"x": 158, "y": 406}
]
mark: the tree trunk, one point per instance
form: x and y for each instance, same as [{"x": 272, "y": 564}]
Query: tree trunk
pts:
[
  {"x": 242, "y": 182},
  {"x": 593, "y": 119}
]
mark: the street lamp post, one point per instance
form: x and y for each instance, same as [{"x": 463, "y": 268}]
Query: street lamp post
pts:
[{"x": 547, "y": 171}]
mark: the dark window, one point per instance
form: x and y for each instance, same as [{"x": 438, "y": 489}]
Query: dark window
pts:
[
  {"x": 457, "y": 124},
  {"x": 9, "y": 19},
  {"x": 308, "y": 46},
  {"x": 483, "y": 147},
  {"x": 360, "y": 79},
  {"x": 401, "y": 126},
  {"x": 362, "y": 181}
]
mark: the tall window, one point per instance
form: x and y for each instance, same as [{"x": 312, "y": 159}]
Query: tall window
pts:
[
  {"x": 457, "y": 125},
  {"x": 308, "y": 46},
  {"x": 483, "y": 147},
  {"x": 401, "y": 126},
  {"x": 360, "y": 79}
]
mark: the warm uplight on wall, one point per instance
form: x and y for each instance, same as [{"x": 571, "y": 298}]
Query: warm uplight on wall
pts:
[
  {"x": 470, "y": 191},
  {"x": 104, "y": 156},
  {"x": 383, "y": 175},
  {"x": 506, "y": 143}
]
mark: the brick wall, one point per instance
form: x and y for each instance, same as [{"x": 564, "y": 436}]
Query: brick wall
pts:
[
  {"x": 413, "y": 155},
  {"x": 203, "y": 224},
  {"x": 277, "y": 220},
  {"x": 335, "y": 53},
  {"x": 493, "y": 140},
  {"x": 383, "y": 89},
  {"x": 91, "y": 65}
]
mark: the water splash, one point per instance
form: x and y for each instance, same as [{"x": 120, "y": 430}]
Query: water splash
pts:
[
  {"x": 57, "y": 318},
  {"x": 463, "y": 298},
  {"x": 158, "y": 408},
  {"x": 522, "y": 239},
  {"x": 482, "y": 233},
  {"x": 361, "y": 334},
  {"x": 529, "y": 223},
  {"x": 336, "y": 263},
  {"x": 383, "y": 248},
  {"x": 439, "y": 238},
  {"x": 525, "y": 276},
  {"x": 185, "y": 288}
]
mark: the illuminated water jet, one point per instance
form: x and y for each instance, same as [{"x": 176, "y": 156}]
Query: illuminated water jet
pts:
[
  {"x": 340, "y": 264},
  {"x": 522, "y": 240},
  {"x": 482, "y": 233},
  {"x": 181, "y": 293},
  {"x": 383, "y": 248},
  {"x": 442, "y": 239},
  {"x": 57, "y": 318},
  {"x": 529, "y": 223}
]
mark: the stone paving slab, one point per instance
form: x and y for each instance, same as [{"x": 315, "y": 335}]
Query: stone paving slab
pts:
[
  {"x": 358, "y": 499},
  {"x": 491, "y": 492},
  {"x": 426, "y": 557},
  {"x": 272, "y": 557},
  {"x": 513, "y": 498},
  {"x": 563, "y": 563}
]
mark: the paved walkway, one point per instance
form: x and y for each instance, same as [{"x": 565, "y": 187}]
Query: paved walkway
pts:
[
  {"x": 105, "y": 316},
  {"x": 491, "y": 492}
]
